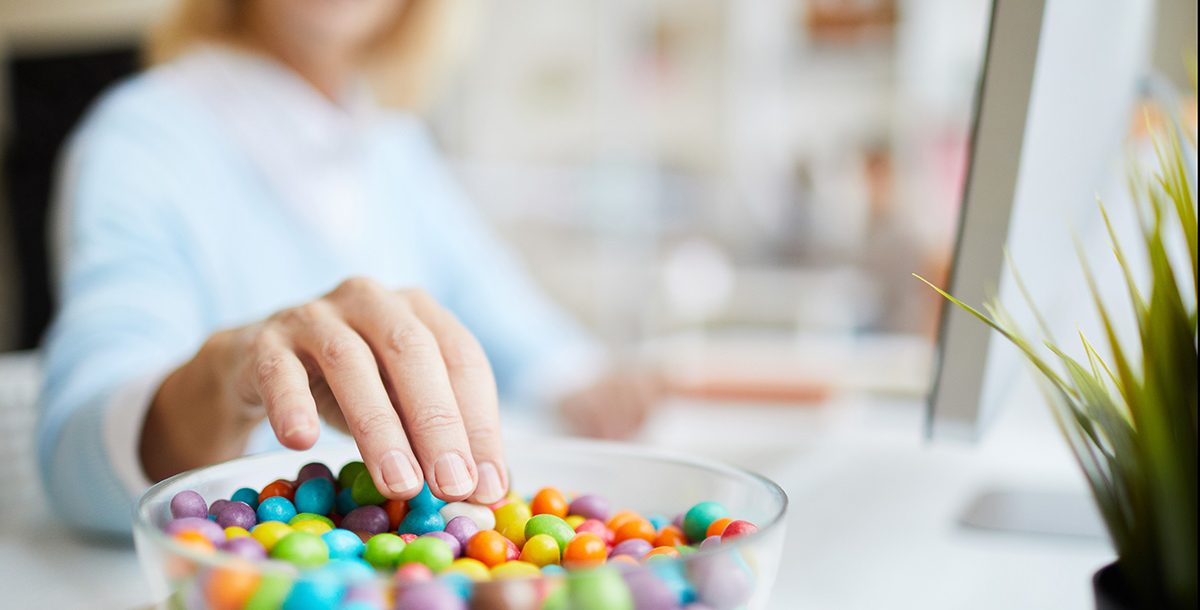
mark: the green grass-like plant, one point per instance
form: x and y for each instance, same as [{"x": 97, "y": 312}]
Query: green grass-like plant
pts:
[{"x": 1130, "y": 417}]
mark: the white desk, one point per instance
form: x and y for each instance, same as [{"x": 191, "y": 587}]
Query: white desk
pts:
[{"x": 872, "y": 520}]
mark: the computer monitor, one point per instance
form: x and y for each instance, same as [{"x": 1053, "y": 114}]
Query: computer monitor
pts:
[{"x": 1054, "y": 104}]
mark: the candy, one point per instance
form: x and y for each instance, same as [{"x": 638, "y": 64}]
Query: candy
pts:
[
  {"x": 634, "y": 528},
  {"x": 364, "y": 491},
  {"x": 278, "y": 487},
  {"x": 245, "y": 547},
  {"x": 302, "y": 549},
  {"x": 513, "y": 570},
  {"x": 409, "y": 573},
  {"x": 383, "y": 550},
  {"x": 429, "y": 596},
  {"x": 314, "y": 470},
  {"x": 471, "y": 568},
  {"x": 482, "y": 516},
  {"x": 350, "y": 472},
  {"x": 188, "y": 503},
  {"x": 585, "y": 550},
  {"x": 237, "y": 514},
  {"x": 272, "y": 590},
  {"x": 599, "y": 590},
  {"x": 343, "y": 544},
  {"x": 312, "y": 526},
  {"x": 433, "y": 552},
  {"x": 421, "y": 522},
  {"x": 550, "y": 525},
  {"x": 717, "y": 527},
  {"x": 207, "y": 529},
  {"x": 488, "y": 547},
  {"x": 699, "y": 517},
  {"x": 276, "y": 508},
  {"x": 541, "y": 550},
  {"x": 236, "y": 532},
  {"x": 302, "y": 517},
  {"x": 462, "y": 528},
  {"x": 510, "y": 513},
  {"x": 270, "y": 533},
  {"x": 315, "y": 495},
  {"x": 738, "y": 528},
  {"x": 216, "y": 507},
  {"x": 590, "y": 506},
  {"x": 345, "y": 501},
  {"x": 549, "y": 501},
  {"x": 425, "y": 501},
  {"x": 317, "y": 590},
  {"x": 231, "y": 586},
  {"x": 369, "y": 519},
  {"x": 455, "y": 546},
  {"x": 662, "y": 552},
  {"x": 634, "y": 547},
  {"x": 247, "y": 495},
  {"x": 670, "y": 535},
  {"x": 396, "y": 510}
]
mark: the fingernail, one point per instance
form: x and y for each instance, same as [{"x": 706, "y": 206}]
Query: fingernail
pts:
[
  {"x": 491, "y": 487},
  {"x": 398, "y": 473},
  {"x": 295, "y": 423},
  {"x": 453, "y": 477}
]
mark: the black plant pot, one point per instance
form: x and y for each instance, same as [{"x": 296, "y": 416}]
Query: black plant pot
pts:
[{"x": 1111, "y": 590}]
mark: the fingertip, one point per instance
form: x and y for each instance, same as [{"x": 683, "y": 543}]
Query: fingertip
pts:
[
  {"x": 401, "y": 478},
  {"x": 452, "y": 477},
  {"x": 492, "y": 486},
  {"x": 298, "y": 431}
]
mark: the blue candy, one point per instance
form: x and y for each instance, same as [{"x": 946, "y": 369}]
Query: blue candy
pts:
[
  {"x": 421, "y": 523},
  {"x": 315, "y": 496},
  {"x": 317, "y": 590},
  {"x": 425, "y": 502},
  {"x": 247, "y": 495},
  {"x": 343, "y": 544},
  {"x": 276, "y": 508},
  {"x": 345, "y": 502},
  {"x": 457, "y": 582},
  {"x": 658, "y": 521},
  {"x": 352, "y": 571}
]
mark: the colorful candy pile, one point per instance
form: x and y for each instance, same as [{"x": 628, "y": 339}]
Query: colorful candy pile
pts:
[{"x": 329, "y": 541}]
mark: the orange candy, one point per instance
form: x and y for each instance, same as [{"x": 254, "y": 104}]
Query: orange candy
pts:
[
  {"x": 667, "y": 551},
  {"x": 195, "y": 540},
  {"x": 549, "y": 501},
  {"x": 488, "y": 547},
  {"x": 716, "y": 528},
  {"x": 635, "y": 528},
  {"x": 396, "y": 509},
  {"x": 278, "y": 487},
  {"x": 230, "y": 587},
  {"x": 669, "y": 536},
  {"x": 621, "y": 518},
  {"x": 584, "y": 550},
  {"x": 623, "y": 559}
]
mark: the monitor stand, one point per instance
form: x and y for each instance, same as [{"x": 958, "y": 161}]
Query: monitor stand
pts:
[{"x": 1029, "y": 511}]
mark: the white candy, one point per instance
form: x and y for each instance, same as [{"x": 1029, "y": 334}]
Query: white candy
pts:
[{"x": 481, "y": 515}]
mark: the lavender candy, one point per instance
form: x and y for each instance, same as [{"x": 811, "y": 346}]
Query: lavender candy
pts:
[
  {"x": 462, "y": 528},
  {"x": 649, "y": 592},
  {"x": 244, "y": 547},
  {"x": 370, "y": 519},
  {"x": 216, "y": 507},
  {"x": 590, "y": 506},
  {"x": 456, "y": 547},
  {"x": 188, "y": 503},
  {"x": 313, "y": 470},
  {"x": 237, "y": 514},
  {"x": 634, "y": 547},
  {"x": 207, "y": 528},
  {"x": 431, "y": 595}
]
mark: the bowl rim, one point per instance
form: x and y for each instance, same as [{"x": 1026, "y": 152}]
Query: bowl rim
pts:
[{"x": 219, "y": 558}]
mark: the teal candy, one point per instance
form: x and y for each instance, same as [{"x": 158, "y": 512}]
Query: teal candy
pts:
[
  {"x": 343, "y": 544},
  {"x": 425, "y": 502},
  {"x": 553, "y": 569},
  {"x": 364, "y": 491},
  {"x": 351, "y": 571},
  {"x": 315, "y": 496},
  {"x": 658, "y": 521},
  {"x": 316, "y": 590},
  {"x": 275, "y": 508},
  {"x": 699, "y": 517},
  {"x": 247, "y": 495},
  {"x": 349, "y": 473},
  {"x": 345, "y": 501},
  {"x": 302, "y": 549},
  {"x": 420, "y": 523},
  {"x": 672, "y": 574},
  {"x": 457, "y": 582},
  {"x": 551, "y": 525}
]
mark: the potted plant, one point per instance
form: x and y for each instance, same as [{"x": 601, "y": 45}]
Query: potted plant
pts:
[{"x": 1130, "y": 416}]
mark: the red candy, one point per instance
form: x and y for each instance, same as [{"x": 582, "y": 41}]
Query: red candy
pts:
[
  {"x": 738, "y": 528},
  {"x": 278, "y": 487}
]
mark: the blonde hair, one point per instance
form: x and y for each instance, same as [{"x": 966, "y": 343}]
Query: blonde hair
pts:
[{"x": 405, "y": 64}]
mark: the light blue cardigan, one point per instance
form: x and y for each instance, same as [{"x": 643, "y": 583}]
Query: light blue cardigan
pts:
[{"x": 170, "y": 233}]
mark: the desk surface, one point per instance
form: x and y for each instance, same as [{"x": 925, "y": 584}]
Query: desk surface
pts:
[{"x": 873, "y": 520}]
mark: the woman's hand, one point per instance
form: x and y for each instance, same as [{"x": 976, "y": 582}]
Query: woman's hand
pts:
[{"x": 393, "y": 368}]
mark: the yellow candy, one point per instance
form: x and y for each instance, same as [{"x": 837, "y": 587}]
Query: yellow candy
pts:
[
  {"x": 268, "y": 533},
  {"x": 471, "y": 568},
  {"x": 515, "y": 531},
  {"x": 541, "y": 550},
  {"x": 312, "y": 526},
  {"x": 511, "y": 512},
  {"x": 511, "y": 570},
  {"x": 234, "y": 531},
  {"x": 574, "y": 520}
]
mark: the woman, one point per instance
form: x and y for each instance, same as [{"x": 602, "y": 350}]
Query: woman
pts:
[{"x": 246, "y": 235}]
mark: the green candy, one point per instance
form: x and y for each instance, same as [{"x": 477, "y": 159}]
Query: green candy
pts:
[
  {"x": 349, "y": 473},
  {"x": 364, "y": 491},
  {"x": 384, "y": 550},
  {"x": 312, "y": 517},
  {"x": 599, "y": 589},
  {"x": 302, "y": 549},
  {"x": 271, "y": 592},
  {"x": 434, "y": 553},
  {"x": 556, "y": 598},
  {"x": 699, "y": 517},
  {"x": 551, "y": 525}
]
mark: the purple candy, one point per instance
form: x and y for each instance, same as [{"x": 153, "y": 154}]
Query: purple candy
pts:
[
  {"x": 650, "y": 592},
  {"x": 244, "y": 547},
  {"x": 462, "y": 528},
  {"x": 710, "y": 543},
  {"x": 216, "y": 507},
  {"x": 314, "y": 470},
  {"x": 590, "y": 506},
  {"x": 188, "y": 503},
  {"x": 634, "y": 547},
  {"x": 370, "y": 519},
  {"x": 429, "y": 596},
  {"x": 455, "y": 546},
  {"x": 721, "y": 582},
  {"x": 237, "y": 514},
  {"x": 678, "y": 521},
  {"x": 207, "y": 528}
]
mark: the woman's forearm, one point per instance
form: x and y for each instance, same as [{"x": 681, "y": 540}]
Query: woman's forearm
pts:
[{"x": 194, "y": 420}]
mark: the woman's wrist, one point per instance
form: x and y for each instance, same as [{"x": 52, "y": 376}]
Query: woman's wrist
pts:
[{"x": 194, "y": 418}]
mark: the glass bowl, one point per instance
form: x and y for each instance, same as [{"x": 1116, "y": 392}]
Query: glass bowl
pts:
[{"x": 736, "y": 574}]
